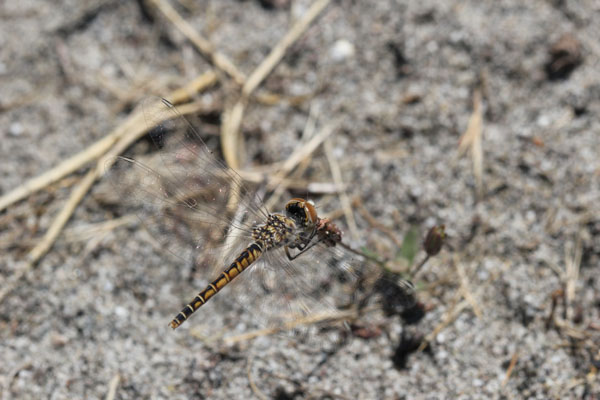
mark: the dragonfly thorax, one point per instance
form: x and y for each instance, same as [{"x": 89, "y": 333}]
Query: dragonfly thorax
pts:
[{"x": 277, "y": 231}]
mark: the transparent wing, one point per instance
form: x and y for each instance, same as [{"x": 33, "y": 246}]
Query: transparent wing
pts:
[
  {"x": 190, "y": 165},
  {"x": 198, "y": 209},
  {"x": 320, "y": 285},
  {"x": 184, "y": 196}
]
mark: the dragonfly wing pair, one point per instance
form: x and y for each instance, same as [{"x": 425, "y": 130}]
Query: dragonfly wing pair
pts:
[{"x": 200, "y": 211}]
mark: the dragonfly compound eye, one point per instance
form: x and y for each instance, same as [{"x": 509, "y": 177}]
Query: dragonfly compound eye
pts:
[{"x": 302, "y": 212}]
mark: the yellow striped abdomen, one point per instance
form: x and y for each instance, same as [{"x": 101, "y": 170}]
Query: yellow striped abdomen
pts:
[{"x": 244, "y": 260}]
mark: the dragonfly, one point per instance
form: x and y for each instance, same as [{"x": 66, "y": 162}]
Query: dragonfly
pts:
[
  {"x": 280, "y": 265},
  {"x": 299, "y": 228}
]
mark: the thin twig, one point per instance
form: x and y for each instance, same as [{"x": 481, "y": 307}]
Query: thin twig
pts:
[
  {"x": 374, "y": 223},
  {"x": 61, "y": 219},
  {"x": 87, "y": 232},
  {"x": 572, "y": 265},
  {"x": 300, "y": 185},
  {"x": 451, "y": 314},
  {"x": 307, "y": 149},
  {"x": 112, "y": 387},
  {"x": 418, "y": 267},
  {"x": 66, "y": 167},
  {"x": 307, "y": 320},
  {"x": 296, "y": 158},
  {"x": 203, "y": 45},
  {"x": 277, "y": 53},
  {"x": 195, "y": 86},
  {"x": 511, "y": 367},
  {"x": 466, "y": 288},
  {"x": 307, "y": 133},
  {"x": 257, "y": 392},
  {"x": 471, "y": 139},
  {"x": 230, "y": 133},
  {"x": 336, "y": 173},
  {"x": 232, "y": 118},
  {"x": 448, "y": 318}
]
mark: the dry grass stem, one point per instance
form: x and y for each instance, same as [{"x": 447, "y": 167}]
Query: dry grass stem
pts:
[
  {"x": 299, "y": 185},
  {"x": 417, "y": 268},
  {"x": 137, "y": 130},
  {"x": 298, "y": 155},
  {"x": 280, "y": 188},
  {"x": 339, "y": 213},
  {"x": 331, "y": 316},
  {"x": 66, "y": 167},
  {"x": 306, "y": 149},
  {"x": 568, "y": 329},
  {"x": 471, "y": 140},
  {"x": 466, "y": 288},
  {"x": 232, "y": 118},
  {"x": 112, "y": 387},
  {"x": 272, "y": 99},
  {"x": 452, "y": 313},
  {"x": 257, "y": 392},
  {"x": 511, "y": 367},
  {"x": 61, "y": 219},
  {"x": 448, "y": 318},
  {"x": 374, "y": 223},
  {"x": 277, "y": 53},
  {"x": 21, "y": 101},
  {"x": 129, "y": 132},
  {"x": 84, "y": 233},
  {"x": 202, "y": 44},
  {"x": 277, "y": 183},
  {"x": 336, "y": 173},
  {"x": 230, "y": 133},
  {"x": 195, "y": 86},
  {"x": 572, "y": 265},
  {"x": 95, "y": 150}
]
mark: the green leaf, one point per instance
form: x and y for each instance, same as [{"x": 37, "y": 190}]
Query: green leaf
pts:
[{"x": 410, "y": 245}]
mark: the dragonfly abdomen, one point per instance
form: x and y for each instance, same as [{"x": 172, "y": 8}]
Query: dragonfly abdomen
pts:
[{"x": 243, "y": 261}]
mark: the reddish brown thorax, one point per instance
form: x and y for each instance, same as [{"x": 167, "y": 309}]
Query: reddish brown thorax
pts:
[{"x": 328, "y": 232}]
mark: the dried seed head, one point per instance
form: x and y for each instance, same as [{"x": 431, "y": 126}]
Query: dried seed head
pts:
[{"x": 435, "y": 239}]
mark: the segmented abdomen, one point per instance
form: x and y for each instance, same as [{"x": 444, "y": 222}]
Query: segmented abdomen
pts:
[{"x": 244, "y": 260}]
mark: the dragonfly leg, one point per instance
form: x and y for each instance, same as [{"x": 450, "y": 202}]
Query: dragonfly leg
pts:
[
  {"x": 302, "y": 246},
  {"x": 306, "y": 247}
]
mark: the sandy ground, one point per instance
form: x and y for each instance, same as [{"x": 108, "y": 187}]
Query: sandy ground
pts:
[{"x": 398, "y": 81}]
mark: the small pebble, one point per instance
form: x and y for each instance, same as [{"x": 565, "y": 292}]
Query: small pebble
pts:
[
  {"x": 342, "y": 50},
  {"x": 543, "y": 121},
  {"x": 16, "y": 129},
  {"x": 109, "y": 286},
  {"x": 121, "y": 312}
]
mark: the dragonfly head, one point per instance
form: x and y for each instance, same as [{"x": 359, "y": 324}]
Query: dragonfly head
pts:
[{"x": 302, "y": 212}]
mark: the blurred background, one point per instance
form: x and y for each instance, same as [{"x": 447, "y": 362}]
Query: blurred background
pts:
[{"x": 478, "y": 115}]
